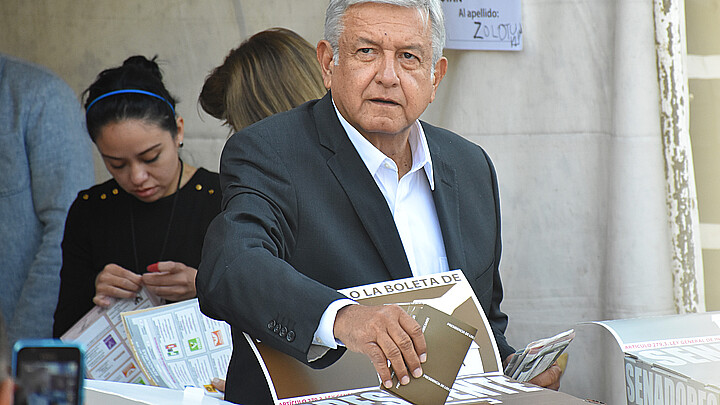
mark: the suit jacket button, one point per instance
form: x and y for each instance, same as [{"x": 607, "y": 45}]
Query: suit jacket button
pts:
[
  {"x": 277, "y": 327},
  {"x": 271, "y": 324},
  {"x": 283, "y": 331},
  {"x": 290, "y": 336}
]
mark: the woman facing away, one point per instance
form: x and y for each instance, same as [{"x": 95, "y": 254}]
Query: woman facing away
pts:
[
  {"x": 145, "y": 226},
  {"x": 272, "y": 71}
]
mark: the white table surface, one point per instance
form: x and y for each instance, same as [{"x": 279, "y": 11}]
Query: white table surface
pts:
[{"x": 115, "y": 393}]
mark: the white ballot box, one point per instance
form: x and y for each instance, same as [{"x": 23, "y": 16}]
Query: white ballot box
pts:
[{"x": 673, "y": 359}]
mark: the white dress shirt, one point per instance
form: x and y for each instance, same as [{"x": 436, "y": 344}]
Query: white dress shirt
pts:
[{"x": 411, "y": 203}]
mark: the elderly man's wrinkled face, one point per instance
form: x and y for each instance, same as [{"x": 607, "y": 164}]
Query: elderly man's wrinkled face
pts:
[{"x": 383, "y": 81}]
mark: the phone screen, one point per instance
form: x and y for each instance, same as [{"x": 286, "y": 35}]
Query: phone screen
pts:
[{"x": 48, "y": 375}]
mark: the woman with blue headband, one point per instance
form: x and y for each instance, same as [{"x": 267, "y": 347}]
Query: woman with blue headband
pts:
[{"x": 145, "y": 226}]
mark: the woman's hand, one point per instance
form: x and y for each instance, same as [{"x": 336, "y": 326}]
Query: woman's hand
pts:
[
  {"x": 171, "y": 280},
  {"x": 115, "y": 282}
]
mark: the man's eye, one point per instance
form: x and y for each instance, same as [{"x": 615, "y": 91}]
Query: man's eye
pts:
[
  {"x": 408, "y": 55},
  {"x": 365, "y": 50}
]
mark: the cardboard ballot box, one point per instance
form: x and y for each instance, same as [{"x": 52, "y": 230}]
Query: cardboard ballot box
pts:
[
  {"x": 670, "y": 359},
  {"x": 292, "y": 382},
  {"x": 353, "y": 380}
]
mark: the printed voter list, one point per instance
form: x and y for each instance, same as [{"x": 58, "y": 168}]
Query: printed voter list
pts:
[{"x": 493, "y": 25}]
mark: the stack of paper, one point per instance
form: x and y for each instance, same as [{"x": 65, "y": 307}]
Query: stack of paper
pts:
[{"x": 538, "y": 356}]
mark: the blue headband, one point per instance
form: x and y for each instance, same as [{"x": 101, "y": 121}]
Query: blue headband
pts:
[{"x": 132, "y": 91}]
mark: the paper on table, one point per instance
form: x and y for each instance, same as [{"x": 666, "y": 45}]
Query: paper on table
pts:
[
  {"x": 107, "y": 354},
  {"x": 177, "y": 346}
]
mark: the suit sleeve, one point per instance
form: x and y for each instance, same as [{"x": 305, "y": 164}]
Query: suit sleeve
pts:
[{"x": 245, "y": 276}]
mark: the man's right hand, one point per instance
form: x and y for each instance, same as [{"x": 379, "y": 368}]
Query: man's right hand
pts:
[
  {"x": 115, "y": 281},
  {"x": 383, "y": 333}
]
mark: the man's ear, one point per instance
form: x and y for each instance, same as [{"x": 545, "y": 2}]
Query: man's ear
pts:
[
  {"x": 440, "y": 70},
  {"x": 325, "y": 58}
]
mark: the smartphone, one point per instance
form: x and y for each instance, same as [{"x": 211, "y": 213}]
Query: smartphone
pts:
[{"x": 48, "y": 371}]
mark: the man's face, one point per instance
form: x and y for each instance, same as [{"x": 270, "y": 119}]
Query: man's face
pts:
[{"x": 382, "y": 82}]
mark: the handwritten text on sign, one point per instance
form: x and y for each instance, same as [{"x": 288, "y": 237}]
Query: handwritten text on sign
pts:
[{"x": 494, "y": 25}]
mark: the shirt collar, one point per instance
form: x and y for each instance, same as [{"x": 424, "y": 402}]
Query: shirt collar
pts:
[{"x": 373, "y": 158}]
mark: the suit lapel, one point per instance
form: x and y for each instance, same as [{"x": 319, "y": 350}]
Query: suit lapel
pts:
[
  {"x": 447, "y": 203},
  {"x": 364, "y": 195}
]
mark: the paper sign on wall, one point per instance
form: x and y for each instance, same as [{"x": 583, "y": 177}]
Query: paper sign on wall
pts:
[{"x": 494, "y": 25}]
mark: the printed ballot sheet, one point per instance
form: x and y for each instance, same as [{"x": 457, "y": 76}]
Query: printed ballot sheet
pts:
[
  {"x": 107, "y": 354},
  {"x": 292, "y": 382},
  {"x": 470, "y": 389},
  {"x": 177, "y": 346}
]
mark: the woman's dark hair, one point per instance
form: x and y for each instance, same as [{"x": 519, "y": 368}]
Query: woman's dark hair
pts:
[{"x": 136, "y": 73}]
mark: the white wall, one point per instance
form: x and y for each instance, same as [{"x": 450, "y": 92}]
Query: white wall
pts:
[
  {"x": 703, "y": 42},
  {"x": 571, "y": 122}
]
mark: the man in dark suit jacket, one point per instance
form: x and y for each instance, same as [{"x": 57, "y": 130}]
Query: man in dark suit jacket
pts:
[{"x": 305, "y": 212}]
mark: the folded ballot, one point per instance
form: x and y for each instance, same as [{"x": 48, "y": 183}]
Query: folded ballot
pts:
[{"x": 448, "y": 340}]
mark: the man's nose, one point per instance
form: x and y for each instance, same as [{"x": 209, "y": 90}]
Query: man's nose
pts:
[{"x": 387, "y": 71}]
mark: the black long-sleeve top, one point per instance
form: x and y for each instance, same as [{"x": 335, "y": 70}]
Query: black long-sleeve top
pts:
[{"x": 99, "y": 231}]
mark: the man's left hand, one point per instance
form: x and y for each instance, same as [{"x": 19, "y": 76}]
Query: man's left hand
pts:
[{"x": 549, "y": 378}]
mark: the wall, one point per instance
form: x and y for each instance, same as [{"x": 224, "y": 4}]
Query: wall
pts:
[
  {"x": 78, "y": 39},
  {"x": 571, "y": 122},
  {"x": 703, "y": 43}
]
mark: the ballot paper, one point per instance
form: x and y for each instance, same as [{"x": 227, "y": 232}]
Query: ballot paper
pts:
[
  {"x": 292, "y": 382},
  {"x": 107, "y": 354},
  {"x": 177, "y": 346},
  {"x": 448, "y": 340}
]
